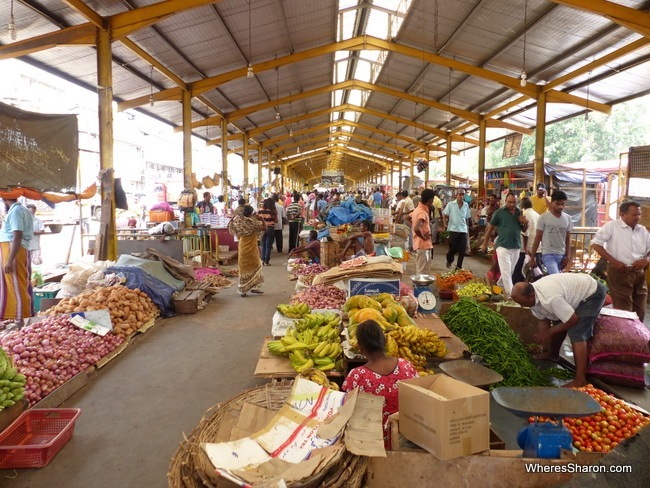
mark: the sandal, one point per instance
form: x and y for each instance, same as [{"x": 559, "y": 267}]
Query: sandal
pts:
[{"x": 259, "y": 292}]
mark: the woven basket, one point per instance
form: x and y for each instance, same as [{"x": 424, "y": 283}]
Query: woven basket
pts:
[{"x": 191, "y": 468}]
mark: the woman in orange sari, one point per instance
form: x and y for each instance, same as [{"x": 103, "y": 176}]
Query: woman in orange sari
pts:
[{"x": 247, "y": 227}]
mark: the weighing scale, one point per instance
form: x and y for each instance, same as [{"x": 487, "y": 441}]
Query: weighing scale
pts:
[
  {"x": 545, "y": 439},
  {"x": 426, "y": 298},
  {"x": 470, "y": 372}
]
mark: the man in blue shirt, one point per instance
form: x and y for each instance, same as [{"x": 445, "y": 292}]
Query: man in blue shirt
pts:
[
  {"x": 15, "y": 267},
  {"x": 455, "y": 217},
  {"x": 377, "y": 197}
]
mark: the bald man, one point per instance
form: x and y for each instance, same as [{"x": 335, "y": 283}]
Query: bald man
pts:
[{"x": 573, "y": 299}]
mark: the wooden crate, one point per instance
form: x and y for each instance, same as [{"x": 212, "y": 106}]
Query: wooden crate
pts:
[{"x": 328, "y": 253}]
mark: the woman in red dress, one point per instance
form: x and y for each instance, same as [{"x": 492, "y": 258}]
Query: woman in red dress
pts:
[{"x": 381, "y": 374}]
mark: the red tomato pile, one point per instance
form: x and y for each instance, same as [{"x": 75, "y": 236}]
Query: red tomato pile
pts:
[{"x": 603, "y": 431}]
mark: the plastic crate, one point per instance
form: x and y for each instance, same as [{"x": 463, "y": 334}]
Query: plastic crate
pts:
[
  {"x": 35, "y": 437},
  {"x": 40, "y": 294}
]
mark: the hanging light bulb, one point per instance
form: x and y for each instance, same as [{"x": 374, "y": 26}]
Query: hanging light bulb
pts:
[
  {"x": 277, "y": 115},
  {"x": 249, "y": 73},
  {"x": 12, "y": 23},
  {"x": 297, "y": 149},
  {"x": 290, "y": 132},
  {"x": 523, "y": 79}
]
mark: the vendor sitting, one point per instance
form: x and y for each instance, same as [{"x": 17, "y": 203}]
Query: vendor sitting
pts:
[
  {"x": 381, "y": 374},
  {"x": 312, "y": 248},
  {"x": 363, "y": 242}
]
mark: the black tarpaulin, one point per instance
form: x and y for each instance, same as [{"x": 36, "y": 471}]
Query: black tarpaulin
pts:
[{"x": 38, "y": 151}]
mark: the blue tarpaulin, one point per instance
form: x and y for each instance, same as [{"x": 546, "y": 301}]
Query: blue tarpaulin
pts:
[
  {"x": 348, "y": 212},
  {"x": 159, "y": 291}
]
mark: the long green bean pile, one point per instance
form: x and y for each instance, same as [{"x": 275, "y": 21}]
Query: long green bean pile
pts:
[{"x": 487, "y": 334}]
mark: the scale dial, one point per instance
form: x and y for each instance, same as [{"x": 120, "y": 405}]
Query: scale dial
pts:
[{"x": 426, "y": 300}]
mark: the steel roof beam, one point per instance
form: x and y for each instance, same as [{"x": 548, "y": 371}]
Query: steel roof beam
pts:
[{"x": 630, "y": 18}]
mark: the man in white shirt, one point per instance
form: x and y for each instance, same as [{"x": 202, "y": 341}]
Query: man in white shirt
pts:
[
  {"x": 573, "y": 299},
  {"x": 282, "y": 218},
  {"x": 406, "y": 207},
  {"x": 35, "y": 244},
  {"x": 527, "y": 239},
  {"x": 626, "y": 246}
]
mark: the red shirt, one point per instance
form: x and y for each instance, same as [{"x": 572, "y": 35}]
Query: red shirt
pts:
[{"x": 381, "y": 385}]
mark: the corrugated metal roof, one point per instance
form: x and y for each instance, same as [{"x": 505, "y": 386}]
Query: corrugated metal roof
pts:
[{"x": 413, "y": 90}]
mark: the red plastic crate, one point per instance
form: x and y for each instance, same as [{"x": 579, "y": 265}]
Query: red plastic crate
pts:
[{"x": 35, "y": 437}]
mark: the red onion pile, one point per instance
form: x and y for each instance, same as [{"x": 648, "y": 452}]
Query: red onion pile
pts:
[
  {"x": 322, "y": 297},
  {"x": 52, "y": 351},
  {"x": 312, "y": 269}
]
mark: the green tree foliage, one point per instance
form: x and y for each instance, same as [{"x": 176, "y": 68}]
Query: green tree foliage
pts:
[{"x": 596, "y": 137}]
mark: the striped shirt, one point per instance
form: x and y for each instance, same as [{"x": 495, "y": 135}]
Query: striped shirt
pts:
[{"x": 294, "y": 212}]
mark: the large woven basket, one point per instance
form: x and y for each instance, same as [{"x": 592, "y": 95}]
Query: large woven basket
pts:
[{"x": 190, "y": 467}]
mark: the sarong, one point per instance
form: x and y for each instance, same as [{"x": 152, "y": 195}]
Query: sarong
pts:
[
  {"x": 249, "y": 263},
  {"x": 16, "y": 288}
]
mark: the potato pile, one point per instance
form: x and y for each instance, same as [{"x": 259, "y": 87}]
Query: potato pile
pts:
[{"x": 129, "y": 309}]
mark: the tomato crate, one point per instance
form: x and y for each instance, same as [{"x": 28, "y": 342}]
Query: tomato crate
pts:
[{"x": 35, "y": 437}]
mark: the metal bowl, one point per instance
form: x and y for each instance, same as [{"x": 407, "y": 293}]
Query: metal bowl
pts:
[
  {"x": 423, "y": 279},
  {"x": 471, "y": 373}
]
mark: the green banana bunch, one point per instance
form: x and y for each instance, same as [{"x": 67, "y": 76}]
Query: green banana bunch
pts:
[{"x": 295, "y": 311}]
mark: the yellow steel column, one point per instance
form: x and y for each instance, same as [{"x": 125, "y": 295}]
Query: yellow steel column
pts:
[
  {"x": 482, "y": 125},
  {"x": 284, "y": 173},
  {"x": 448, "y": 160},
  {"x": 399, "y": 181},
  {"x": 246, "y": 154},
  {"x": 224, "y": 158},
  {"x": 540, "y": 138},
  {"x": 260, "y": 150},
  {"x": 426, "y": 170},
  {"x": 105, "y": 111},
  {"x": 411, "y": 173},
  {"x": 187, "y": 138}
]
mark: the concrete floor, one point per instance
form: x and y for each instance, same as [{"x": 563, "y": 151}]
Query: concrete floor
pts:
[{"x": 137, "y": 407}]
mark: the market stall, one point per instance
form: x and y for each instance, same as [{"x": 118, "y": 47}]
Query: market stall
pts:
[{"x": 87, "y": 320}]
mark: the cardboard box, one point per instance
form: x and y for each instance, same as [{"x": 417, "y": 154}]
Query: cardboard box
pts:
[
  {"x": 444, "y": 416},
  {"x": 189, "y": 301}
]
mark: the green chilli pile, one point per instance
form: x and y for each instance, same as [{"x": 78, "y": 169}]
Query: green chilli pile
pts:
[
  {"x": 12, "y": 383},
  {"x": 487, "y": 334}
]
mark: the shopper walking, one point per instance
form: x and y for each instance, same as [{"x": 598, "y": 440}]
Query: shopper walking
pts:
[
  {"x": 294, "y": 218},
  {"x": 455, "y": 216},
  {"x": 554, "y": 233},
  {"x": 436, "y": 216},
  {"x": 527, "y": 239},
  {"x": 541, "y": 202},
  {"x": 15, "y": 267},
  {"x": 270, "y": 217},
  {"x": 279, "y": 225},
  {"x": 38, "y": 231},
  {"x": 247, "y": 226},
  {"x": 422, "y": 243},
  {"x": 509, "y": 223},
  {"x": 626, "y": 246}
]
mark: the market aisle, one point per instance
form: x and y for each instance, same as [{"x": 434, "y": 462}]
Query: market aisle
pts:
[{"x": 137, "y": 407}]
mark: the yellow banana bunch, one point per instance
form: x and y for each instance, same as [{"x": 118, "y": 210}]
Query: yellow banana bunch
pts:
[
  {"x": 295, "y": 311},
  {"x": 320, "y": 378},
  {"x": 277, "y": 348},
  {"x": 361, "y": 301},
  {"x": 392, "y": 349}
]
